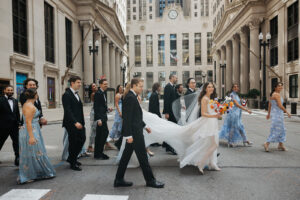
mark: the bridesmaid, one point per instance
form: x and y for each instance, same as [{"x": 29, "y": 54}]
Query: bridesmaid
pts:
[
  {"x": 115, "y": 132},
  {"x": 276, "y": 112},
  {"x": 93, "y": 89},
  {"x": 34, "y": 162},
  {"x": 233, "y": 129}
]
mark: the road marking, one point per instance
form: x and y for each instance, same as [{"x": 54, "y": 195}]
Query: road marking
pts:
[
  {"x": 104, "y": 197},
  {"x": 24, "y": 194}
]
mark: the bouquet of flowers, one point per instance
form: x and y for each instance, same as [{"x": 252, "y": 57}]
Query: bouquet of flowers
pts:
[{"x": 223, "y": 106}]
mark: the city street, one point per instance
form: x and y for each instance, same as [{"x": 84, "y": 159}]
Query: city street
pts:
[{"x": 247, "y": 172}]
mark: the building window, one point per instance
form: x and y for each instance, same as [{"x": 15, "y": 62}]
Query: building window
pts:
[
  {"x": 150, "y": 16},
  {"x": 185, "y": 77},
  {"x": 185, "y": 49},
  {"x": 173, "y": 50},
  {"x": 150, "y": 8},
  {"x": 149, "y": 80},
  {"x": 149, "y": 50},
  {"x": 128, "y": 10},
  {"x": 68, "y": 42},
  {"x": 134, "y": 17},
  {"x": 142, "y": 9},
  {"x": 210, "y": 75},
  {"x": 195, "y": 6},
  {"x": 134, "y": 1},
  {"x": 198, "y": 78},
  {"x": 162, "y": 79},
  {"x": 195, "y": 14},
  {"x": 137, "y": 50},
  {"x": 274, "y": 81},
  {"x": 202, "y": 8},
  {"x": 173, "y": 73},
  {"x": 198, "y": 48},
  {"x": 161, "y": 50},
  {"x": 49, "y": 33},
  {"x": 274, "y": 41},
  {"x": 127, "y": 43},
  {"x": 134, "y": 9},
  {"x": 293, "y": 79},
  {"x": 206, "y": 8},
  {"x": 209, "y": 47},
  {"x": 20, "y": 78},
  {"x": 293, "y": 44},
  {"x": 20, "y": 26}
]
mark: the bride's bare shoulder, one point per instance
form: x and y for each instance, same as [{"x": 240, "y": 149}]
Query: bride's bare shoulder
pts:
[{"x": 205, "y": 99}]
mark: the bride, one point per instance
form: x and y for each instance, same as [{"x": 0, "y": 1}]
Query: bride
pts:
[{"x": 196, "y": 142}]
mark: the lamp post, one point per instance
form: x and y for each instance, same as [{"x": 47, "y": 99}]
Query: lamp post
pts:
[
  {"x": 123, "y": 69},
  {"x": 93, "y": 50},
  {"x": 223, "y": 66},
  {"x": 264, "y": 44}
]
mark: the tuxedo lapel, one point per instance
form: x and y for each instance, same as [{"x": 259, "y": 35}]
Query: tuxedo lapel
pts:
[{"x": 7, "y": 104}]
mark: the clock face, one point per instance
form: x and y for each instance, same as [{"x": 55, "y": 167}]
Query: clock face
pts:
[{"x": 173, "y": 14}]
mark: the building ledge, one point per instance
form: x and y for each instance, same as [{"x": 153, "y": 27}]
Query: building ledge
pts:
[
  {"x": 18, "y": 59},
  {"x": 50, "y": 68}
]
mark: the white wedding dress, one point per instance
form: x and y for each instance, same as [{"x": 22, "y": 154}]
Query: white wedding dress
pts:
[{"x": 193, "y": 142}]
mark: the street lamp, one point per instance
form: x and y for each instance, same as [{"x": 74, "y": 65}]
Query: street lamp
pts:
[
  {"x": 91, "y": 49},
  {"x": 264, "y": 44},
  {"x": 223, "y": 66},
  {"x": 123, "y": 69}
]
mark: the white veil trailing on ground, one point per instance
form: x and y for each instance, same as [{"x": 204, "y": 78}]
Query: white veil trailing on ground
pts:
[{"x": 186, "y": 108}]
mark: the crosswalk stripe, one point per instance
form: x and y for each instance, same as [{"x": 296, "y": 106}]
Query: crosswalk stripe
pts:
[
  {"x": 24, "y": 194},
  {"x": 104, "y": 197}
]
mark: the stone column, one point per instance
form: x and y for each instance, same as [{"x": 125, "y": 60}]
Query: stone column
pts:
[
  {"x": 222, "y": 70},
  {"x": 112, "y": 62},
  {"x": 218, "y": 73},
  {"x": 254, "y": 54},
  {"x": 228, "y": 78},
  {"x": 235, "y": 60},
  {"x": 118, "y": 79},
  {"x": 88, "y": 59},
  {"x": 105, "y": 57},
  {"x": 98, "y": 59},
  {"x": 244, "y": 78}
]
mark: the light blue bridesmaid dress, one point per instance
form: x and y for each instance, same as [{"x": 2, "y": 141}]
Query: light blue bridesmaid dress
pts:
[
  {"x": 115, "y": 132},
  {"x": 277, "y": 133},
  {"x": 34, "y": 162},
  {"x": 233, "y": 129}
]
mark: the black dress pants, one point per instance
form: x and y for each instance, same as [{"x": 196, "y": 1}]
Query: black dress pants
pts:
[
  {"x": 13, "y": 132},
  {"x": 100, "y": 139}
]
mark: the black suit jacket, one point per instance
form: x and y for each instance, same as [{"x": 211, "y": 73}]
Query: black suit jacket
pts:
[
  {"x": 73, "y": 109},
  {"x": 169, "y": 97},
  {"x": 154, "y": 104},
  {"x": 37, "y": 103},
  {"x": 100, "y": 106},
  {"x": 9, "y": 118},
  {"x": 189, "y": 92},
  {"x": 132, "y": 114}
]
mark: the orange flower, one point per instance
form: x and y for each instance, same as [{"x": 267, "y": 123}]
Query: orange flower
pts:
[
  {"x": 212, "y": 106},
  {"x": 231, "y": 104}
]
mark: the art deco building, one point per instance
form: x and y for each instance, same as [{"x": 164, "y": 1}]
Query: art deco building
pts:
[
  {"x": 237, "y": 26},
  {"x": 169, "y": 37},
  {"x": 38, "y": 39}
]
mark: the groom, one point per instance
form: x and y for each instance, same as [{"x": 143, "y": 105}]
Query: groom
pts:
[{"x": 132, "y": 131}]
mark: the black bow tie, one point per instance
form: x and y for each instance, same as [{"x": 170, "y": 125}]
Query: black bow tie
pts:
[
  {"x": 10, "y": 98},
  {"x": 76, "y": 92}
]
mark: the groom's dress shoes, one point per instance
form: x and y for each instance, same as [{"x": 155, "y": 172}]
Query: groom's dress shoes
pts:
[
  {"x": 77, "y": 163},
  {"x": 122, "y": 183},
  {"x": 75, "y": 168},
  {"x": 101, "y": 157},
  {"x": 155, "y": 184},
  {"x": 16, "y": 161}
]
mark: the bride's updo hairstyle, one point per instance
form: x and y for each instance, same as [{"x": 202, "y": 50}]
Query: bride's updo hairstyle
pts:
[
  {"x": 203, "y": 92},
  {"x": 30, "y": 93}
]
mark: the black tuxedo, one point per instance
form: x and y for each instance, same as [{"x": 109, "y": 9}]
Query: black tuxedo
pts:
[
  {"x": 37, "y": 103},
  {"x": 100, "y": 113},
  {"x": 154, "y": 104},
  {"x": 9, "y": 123},
  {"x": 73, "y": 113},
  {"x": 169, "y": 97},
  {"x": 188, "y": 100},
  {"x": 133, "y": 125}
]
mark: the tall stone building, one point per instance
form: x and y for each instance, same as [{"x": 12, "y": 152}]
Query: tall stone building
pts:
[
  {"x": 236, "y": 37},
  {"x": 39, "y": 39},
  {"x": 169, "y": 37}
]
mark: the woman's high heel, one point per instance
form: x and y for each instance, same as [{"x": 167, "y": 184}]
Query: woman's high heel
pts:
[
  {"x": 150, "y": 153},
  {"x": 230, "y": 145},
  {"x": 266, "y": 146},
  {"x": 201, "y": 170},
  {"x": 248, "y": 143},
  {"x": 281, "y": 148}
]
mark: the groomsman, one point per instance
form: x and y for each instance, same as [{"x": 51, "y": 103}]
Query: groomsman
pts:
[
  {"x": 132, "y": 131},
  {"x": 169, "y": 97},
  {"x": 10, "y": 120},
  {"x": 100, "y": 116},
  {"x": 154, "y": 100},
  {"x": 178, "y": 90},
  {"x": 73, "y": 121},
  {"x": 32, "y": 83}
]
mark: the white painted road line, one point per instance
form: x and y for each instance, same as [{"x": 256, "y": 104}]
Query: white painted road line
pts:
[
  {"x": 104, "y": 197},
  {"x": 24, "y": 194}
]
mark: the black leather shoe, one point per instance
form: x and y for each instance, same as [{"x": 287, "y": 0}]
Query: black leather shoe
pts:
[
  {"x": 75, "y": 168},
  {"x": 77, "y": 163},
  {"x": 17, "y": 161},
  {"x": 122, "y": 183},
  {"x": 171, "y": 150},
  {"x": 102, "y": 157},
  {"x": 155, "y": 184},
  {"x": 218, "y": 154}
]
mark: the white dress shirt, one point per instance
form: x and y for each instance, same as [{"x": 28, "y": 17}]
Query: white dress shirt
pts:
[
  {"x": 11, "y": 103},
  {"x": 74, "y": 92}
]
